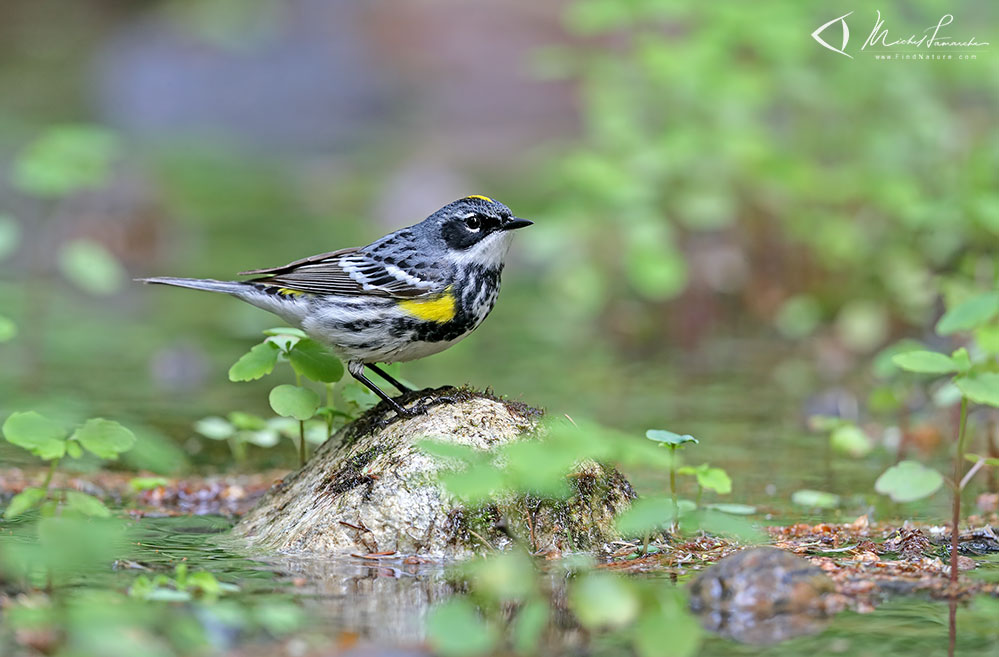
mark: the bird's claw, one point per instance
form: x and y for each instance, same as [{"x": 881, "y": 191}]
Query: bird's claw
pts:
[{"x": 414, "y": 410}]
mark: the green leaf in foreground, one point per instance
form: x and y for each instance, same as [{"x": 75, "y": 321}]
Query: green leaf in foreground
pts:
[
  {"x": 294, "y": 401},
  {"x": 35, "y": 433},
  {"x": 528, "y": 627},
  {"x": 815, "y": 499},
  {"x": 603, "y": 601},
  {"x": 447, "y": 450},
  {"x": 671, "y": 631},
  {"x": 104, "y": 438},
  {"x": 646, "y": 514},
  {"x": 278, "y": 617},
  {"x": 925, "y": 362},
  {"x": 969, "y": 314},
  {"x": 313, "y": 361},
  {"x": 669, "y": 438},
  {"x": 87, "y": 505},
  {"x": 477, "y": 484},
  {"x": 908, "y": 481},
  {"x": 722, "y": 524},
  {"x": 981, "y": 388},
  {"x": 455, "y": 629},
  {"x": 26, "y": 500},
  {"x": 254, "y": 364},
  {"x": 539, "y": 468},
  {"x": 506, "y": 577}
]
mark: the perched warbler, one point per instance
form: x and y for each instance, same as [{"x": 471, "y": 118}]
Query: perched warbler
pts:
[{"x": 413, "y": 293}]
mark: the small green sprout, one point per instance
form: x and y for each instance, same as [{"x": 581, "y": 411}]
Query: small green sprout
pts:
[
  {"x": 672, "y": 441},
  {"x": 309, "y": 360},
  {"x": 50, "y": 441}
]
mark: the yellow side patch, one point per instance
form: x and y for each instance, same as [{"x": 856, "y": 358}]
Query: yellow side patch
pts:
[
  {"x": 284, "y": 291},
  {"x": 484, "y": 198},
  {"x": 433, "y": 309}
]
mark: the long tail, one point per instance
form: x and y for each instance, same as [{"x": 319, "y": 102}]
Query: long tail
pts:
[{"x": 207, "y": 284}]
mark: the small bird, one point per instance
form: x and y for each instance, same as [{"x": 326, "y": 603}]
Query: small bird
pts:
[{"x": 411, "y": 294}]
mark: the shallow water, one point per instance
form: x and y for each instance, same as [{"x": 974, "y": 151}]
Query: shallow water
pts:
[
  {"x": 746, "y": 424},
  {"x": 386, "y": 603}
]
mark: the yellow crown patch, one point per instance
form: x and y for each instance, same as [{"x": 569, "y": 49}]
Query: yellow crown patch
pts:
[{"x": 483, "y": 198}]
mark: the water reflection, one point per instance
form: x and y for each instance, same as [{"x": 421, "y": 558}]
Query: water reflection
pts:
[
  {"x": 384, "y": 602},
  {"x": 762, "y": 596}
]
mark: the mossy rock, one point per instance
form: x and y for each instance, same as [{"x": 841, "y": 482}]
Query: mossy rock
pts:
[{"x": 370, "y": 489}]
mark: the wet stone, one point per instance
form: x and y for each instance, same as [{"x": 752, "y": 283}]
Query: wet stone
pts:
[
  {"x": 370, "y": 490},
  {"x": 977, "y": 542},
  {"x": 762, "y": 596}
]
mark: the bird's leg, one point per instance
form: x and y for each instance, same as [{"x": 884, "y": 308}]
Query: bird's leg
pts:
[
  {"x": 382, "y": 373},
  {"x": 357, "y": 371}
]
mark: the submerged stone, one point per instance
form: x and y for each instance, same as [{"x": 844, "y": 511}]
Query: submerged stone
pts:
[
  {"x": 370, "y": 489},
  {"x": 762, "y": 596}
]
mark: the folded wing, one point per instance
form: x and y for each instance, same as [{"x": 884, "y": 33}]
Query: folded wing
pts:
[{"x": 351, "y": 272}]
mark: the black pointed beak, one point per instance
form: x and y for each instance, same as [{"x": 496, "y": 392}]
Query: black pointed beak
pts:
[{"x": 513, "y": 223}]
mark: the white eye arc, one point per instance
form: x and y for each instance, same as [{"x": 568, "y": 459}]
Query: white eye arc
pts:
[{"x": 473, "y": 223}]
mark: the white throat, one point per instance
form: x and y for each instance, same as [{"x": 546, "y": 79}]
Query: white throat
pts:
[{"x": 489, "y": 253}]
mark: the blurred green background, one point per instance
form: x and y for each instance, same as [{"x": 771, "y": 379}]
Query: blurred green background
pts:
[{"x": 731, "y": 220}]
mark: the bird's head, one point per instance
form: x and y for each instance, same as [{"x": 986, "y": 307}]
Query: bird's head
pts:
[{"x": 476, "y": 229}]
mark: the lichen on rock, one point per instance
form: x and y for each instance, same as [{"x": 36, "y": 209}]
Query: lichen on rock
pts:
[{"x": 369, "y": 488}]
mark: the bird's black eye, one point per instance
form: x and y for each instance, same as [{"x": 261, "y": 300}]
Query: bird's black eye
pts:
[{"x": 473, "y": 223}]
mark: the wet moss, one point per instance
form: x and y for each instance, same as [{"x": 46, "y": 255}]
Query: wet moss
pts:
[
  {"x": 351, "y": 475},
  {"x": 468, "y": 526}
]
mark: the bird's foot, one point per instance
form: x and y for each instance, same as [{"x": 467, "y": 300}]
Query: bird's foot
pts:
[{"x": 414, "y": 410}]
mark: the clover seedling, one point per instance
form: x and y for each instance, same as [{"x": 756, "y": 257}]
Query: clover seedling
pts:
[
  {"x": 673, "y": 442},
  {"x": 50, "y": 442},
  {"x": 308, "y": 359}
]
